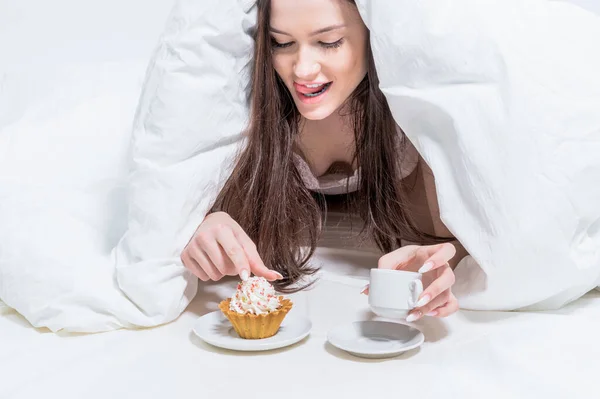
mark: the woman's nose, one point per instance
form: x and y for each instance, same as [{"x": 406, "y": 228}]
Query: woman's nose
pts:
[{"x": 306, "y": 67}]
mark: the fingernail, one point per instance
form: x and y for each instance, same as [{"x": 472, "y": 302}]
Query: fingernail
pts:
[
  {"x": 426, "y": 267},
  {"x": 365, "y": 288},
  {"x": 432, "y": 314},
  {"x": 279, "y": 275},
  {"x": 244, "y": 274},
  {"x": 423, "y": 301},
  {"x": 413, "y": 317}
]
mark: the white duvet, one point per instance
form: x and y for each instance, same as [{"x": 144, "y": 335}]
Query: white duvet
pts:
[{"x": 501, "y": 98}]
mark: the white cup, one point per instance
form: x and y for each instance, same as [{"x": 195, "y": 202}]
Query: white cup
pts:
[{"x": 394, "y": 293}]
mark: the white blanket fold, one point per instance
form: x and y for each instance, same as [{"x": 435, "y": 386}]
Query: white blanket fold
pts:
[{"x": 500, "y": 97}]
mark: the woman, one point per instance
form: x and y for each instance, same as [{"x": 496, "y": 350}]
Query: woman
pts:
[{"x": 316, "y": 112}]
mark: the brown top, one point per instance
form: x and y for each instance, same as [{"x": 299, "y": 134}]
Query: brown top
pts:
[{"x": 338, "y": 182}]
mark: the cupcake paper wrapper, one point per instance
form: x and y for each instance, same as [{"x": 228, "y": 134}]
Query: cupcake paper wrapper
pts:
[{"x": 251, "y": 326}]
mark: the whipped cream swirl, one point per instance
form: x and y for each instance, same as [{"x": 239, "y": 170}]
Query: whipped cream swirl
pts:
[{"x": 255, "y": 295}]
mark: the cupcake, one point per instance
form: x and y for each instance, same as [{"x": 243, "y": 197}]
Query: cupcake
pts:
[{"x": 255, "y": 311}]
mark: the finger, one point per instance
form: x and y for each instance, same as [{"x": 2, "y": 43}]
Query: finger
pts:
[
  {"x": 210, "y": 255},
  {"x": 234, "y": 251},
  {"x": 437, "y": 302},
  {"x": 365, "y": 290},
  {"x": 206, "y": 264},
  {"x": 256, "y": 265},
  {"x": 446, "y": 310},
  {"x": 396, "y": 259},
  {"x": 444, "y": 282},
  {"x": 193, "y": 266},
  {"x": 439, "y": 255},
  {"x": 260, "y": 270}
]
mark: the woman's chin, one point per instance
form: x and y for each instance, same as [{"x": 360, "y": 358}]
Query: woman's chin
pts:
[{"x": 315, "y": 113}]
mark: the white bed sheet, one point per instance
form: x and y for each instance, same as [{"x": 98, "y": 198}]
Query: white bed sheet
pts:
[{"x": 469, "y": 355}]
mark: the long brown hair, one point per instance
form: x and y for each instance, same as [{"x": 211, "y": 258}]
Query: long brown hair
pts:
[{"x": 266, "y": 195}]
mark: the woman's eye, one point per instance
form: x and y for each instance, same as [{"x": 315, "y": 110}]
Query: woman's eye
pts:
[
  {"x": 332, "y": 45},
  {"x": 278, "y": 45}
]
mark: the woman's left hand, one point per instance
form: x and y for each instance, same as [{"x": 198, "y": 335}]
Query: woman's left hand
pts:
[{"x": 437, "y": 299}]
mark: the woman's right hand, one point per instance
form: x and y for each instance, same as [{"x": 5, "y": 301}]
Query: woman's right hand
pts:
[{"x": 220, "y": 247}]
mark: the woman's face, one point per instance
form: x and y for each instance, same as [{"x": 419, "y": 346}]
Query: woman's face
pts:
[{"x": 319, "y": 51}]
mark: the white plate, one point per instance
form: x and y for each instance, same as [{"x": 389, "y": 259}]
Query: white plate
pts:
[
  {"x": 375, "y": 339},
  {"x": 215, "y": 329}
]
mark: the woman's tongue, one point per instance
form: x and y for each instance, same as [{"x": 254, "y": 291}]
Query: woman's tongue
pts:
[{"x": 309, "y": 90}]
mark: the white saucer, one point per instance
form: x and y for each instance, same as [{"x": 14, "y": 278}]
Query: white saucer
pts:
[
  {"x": 215, "y": 329},
  {"x": 375, "y": 339}
]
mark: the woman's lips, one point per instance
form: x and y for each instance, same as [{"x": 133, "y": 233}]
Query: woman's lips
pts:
[{"x": 308, "y": 95}]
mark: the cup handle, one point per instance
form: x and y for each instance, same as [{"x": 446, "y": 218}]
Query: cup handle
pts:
[{"x": 416, "y": 289}]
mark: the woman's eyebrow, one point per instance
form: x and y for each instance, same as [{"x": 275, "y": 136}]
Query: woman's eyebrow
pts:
[{"x": 317, "y": 32}]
